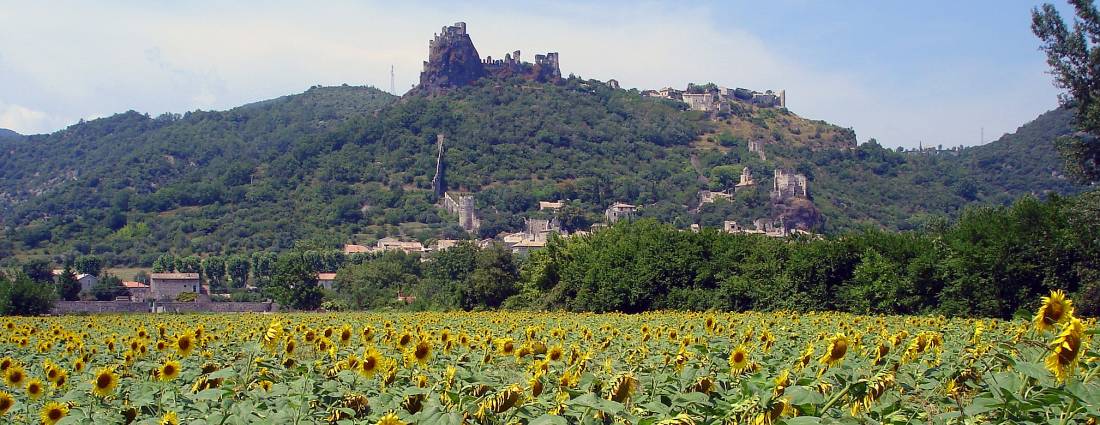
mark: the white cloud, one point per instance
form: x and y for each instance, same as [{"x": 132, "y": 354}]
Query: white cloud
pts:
[{"x": 22, "y": 119}]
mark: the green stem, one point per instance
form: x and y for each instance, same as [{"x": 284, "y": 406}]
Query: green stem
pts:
[{"x": 835, "y": 399}]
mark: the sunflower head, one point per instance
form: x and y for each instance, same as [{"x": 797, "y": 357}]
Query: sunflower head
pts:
[
  {"x": 1066, "y": 350},
  {"x": 15, "y": 376},
  {"x": 104, "y": 382},
  {"x": 1055, "y": 309},
  {"x": 52, "y": 412},
  {"x": 169, "y": 370},
  {"x": 838, "y": 347},
  {"x": 35, "y": 389},
  {"x": 739, "y": 359},
  {"x": 390, "y": 419},
  {"x": 184, "y": 344},
  {"x": 169, "y": 418},
  {"x": 6, "y": 402}
]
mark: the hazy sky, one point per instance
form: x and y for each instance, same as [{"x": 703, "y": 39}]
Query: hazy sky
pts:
[{"x": 899, "y": 71}]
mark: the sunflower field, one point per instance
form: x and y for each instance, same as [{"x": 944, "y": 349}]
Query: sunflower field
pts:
[{"x": 548, "y": 368}]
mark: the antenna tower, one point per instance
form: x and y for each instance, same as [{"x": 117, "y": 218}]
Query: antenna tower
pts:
[{"x": 393, "y": 88}]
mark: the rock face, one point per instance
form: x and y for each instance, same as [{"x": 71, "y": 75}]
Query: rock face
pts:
[{"x": 453, "y": 61}]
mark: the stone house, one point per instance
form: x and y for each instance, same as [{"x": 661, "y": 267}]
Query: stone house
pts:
[
  {"x": 355, "y": 249},
  {"x": 525, "y": 247},
  {"x": 394, "y": 244},
  {"x": 620, "y": 211},
  {"x": 138, "y": 291},
  {"x": 550, "y": 205},
  {"x": 325, "y": 280},
  {"x": 168, "y": 286},
  {"x": 86, "y": 281}
]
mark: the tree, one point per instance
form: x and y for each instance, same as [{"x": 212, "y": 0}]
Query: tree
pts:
[
  {"x": 89, "y": 264},
  {"x": 263, "y": 267},
  {"x": 494, "y": 279},
  {"x": 164, "y": 264},
  {"x": 188, "y": 264},
  {"x": 213, "y": 267},
  {"x": 38, "y": 270},
  {"x": 19, "y": 295},
  {"x": 294, "y": 284},
  {"x": 108, "y": 288},
  {"x": 1074, "y": 59},
  {"x": 237, "y": 266},
  {"x": 68, "y": 286}
]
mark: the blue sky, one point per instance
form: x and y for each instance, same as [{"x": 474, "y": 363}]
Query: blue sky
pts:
[{"x": 932, "y": 72}]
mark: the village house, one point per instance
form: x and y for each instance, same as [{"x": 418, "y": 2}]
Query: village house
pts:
[
  {"x": 138, "y": 291},
  {"x": 394, "y": 244},
  {"x": 168, "y": 286},
  {"x": 550, "y": 205},
  {"x": 620, "y": 211},
  {"x": 443, "y": 244},
  {"x": 525, "y": 247},
  {"x": 325, "y": 280},
  {"x": 355, "y": 249},
  {"x": 86, "y": 281}
]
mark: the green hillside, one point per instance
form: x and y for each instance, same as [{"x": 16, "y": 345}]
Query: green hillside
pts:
[{"x": 352, "y": 164}]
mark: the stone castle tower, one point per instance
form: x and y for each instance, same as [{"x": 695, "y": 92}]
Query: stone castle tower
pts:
[{"x": 453, "y": 61}]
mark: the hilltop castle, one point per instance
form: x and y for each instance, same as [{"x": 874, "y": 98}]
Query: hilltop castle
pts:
[{"x": 453, "y": 61}]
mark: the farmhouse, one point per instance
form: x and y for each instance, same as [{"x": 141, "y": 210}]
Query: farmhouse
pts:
[
  {"x": 168, "y": 286},
  {"x": 325, "y": 280}
]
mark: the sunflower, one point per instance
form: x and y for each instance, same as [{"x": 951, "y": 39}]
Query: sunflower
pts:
[
  {"x": 5, "y": 363},
  {"x": 35, "y": 389},
  {"x": 1066, "y": 350},
  {"x": 390, "y": 419},
  {"x": 421, "y": 353},
  {"x": 52, "y": 370},
  {"x": 169, "y": 418},
  {"x": 104, "y": 382},
  {"x": 61, "y": 379},
  {"x": 184, "y": 344},
  {"x": 838, "y": 347},
  {"x": 1055, "y": 309},
  {"x": 15, "y": 376},
  {"x": 739, "y": 359},
  {"x": 555, "y": 353},
  {"x": 53, "y": 412},
  {"x": 169, "y": 370},
  {"x": 6, "y": 402},
  {"x": 370, "y": 363}
]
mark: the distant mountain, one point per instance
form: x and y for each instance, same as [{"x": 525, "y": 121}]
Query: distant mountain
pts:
[
  {"x": 353, "y": 164},
  {"x": 1025, "y": 160},
  {"x": 6, "y": 134}
]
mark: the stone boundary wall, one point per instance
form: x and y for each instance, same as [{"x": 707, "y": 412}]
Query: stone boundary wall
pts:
[{"x": 76, "y": 307}]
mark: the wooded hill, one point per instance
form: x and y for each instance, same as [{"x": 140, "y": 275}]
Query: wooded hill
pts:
[{"x": 352, "y": 164}]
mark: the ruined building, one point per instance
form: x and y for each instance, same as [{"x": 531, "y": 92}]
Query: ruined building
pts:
[
  {"x": 465, "y": 208},
  {"x": 453, "y": 61},
  {"x": 539, "y": 230},
  {"x": 746, "y": 180},
  {"x": 788, "y": 185}
]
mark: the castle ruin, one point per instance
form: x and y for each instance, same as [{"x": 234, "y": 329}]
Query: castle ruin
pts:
[
  {"x": 788, "y": 185},
  {"x": 453, "y": 61},
  {"x": 465, "y": 208}
]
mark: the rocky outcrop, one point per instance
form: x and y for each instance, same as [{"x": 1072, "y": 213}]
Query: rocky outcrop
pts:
[{"x": 453, "y": 61}]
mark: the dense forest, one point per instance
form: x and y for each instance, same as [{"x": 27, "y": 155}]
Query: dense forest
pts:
[{"x": 353, "y": 164}]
